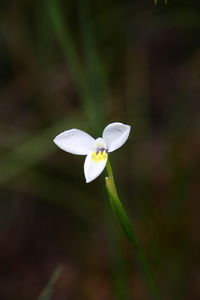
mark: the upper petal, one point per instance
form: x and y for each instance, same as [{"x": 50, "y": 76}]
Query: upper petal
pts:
[
  {"x": 115, "y": 135},
  {"x": 75, "y": 141},
  {"x": 99, "y": 143},
  {"x": 94, "y": 165}
]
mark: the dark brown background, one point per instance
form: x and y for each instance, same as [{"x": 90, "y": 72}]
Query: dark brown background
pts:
[{"x": 84, "y": 64}]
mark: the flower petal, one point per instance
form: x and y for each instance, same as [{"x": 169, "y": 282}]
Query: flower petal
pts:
[
  {"x": 115, "y": 135},
  {"x": 75, "y": 141},
  {"x": 99, "y": 143},
  {"x": 94, "y": 165}
]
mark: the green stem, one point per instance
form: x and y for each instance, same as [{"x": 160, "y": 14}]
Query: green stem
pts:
[{"x": 127, "y": 229}]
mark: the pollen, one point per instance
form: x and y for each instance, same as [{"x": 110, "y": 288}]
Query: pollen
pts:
[{"x": 99, "y": 156}]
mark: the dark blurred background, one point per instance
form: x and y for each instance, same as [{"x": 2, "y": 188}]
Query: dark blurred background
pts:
[{"x": 85, "y": 64}]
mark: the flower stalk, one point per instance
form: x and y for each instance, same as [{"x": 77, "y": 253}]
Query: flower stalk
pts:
[{"x": 127, "y": 228}]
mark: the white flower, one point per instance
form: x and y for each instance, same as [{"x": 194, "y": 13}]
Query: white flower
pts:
[{"x": 78, "y": 142}]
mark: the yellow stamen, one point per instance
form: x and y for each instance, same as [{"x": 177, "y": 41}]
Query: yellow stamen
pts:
[{"x": 99, "y": 156}]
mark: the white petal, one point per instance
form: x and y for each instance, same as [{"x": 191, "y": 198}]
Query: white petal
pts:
[
  {"x": 93, "y": 167},
  {"x": 75, "y": 141},
  {"x": 115, "y": 135},
  {"x": 99, "y": 143}
]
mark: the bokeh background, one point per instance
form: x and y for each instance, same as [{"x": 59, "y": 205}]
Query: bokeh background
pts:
[{"x": 85, "y": 64}]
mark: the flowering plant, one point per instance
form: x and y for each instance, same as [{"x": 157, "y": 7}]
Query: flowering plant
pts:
[
  {"x": 78, "y": 142},
  {"x": 114, "y": 135}
]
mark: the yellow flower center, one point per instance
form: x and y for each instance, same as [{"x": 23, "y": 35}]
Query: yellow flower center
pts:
[{"x": 99, "y": 155}]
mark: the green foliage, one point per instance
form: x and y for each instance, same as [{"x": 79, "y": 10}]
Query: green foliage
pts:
[{"x": 127, "y": 228}]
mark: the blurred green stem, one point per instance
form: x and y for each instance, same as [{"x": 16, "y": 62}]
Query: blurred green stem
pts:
[
  {"x": 127, "y": 229},
  {"x": 48, "y": 291}
]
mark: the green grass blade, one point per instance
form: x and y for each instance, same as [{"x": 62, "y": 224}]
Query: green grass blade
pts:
[
  {"x": 127, "y": 228},
  {"x": 33, "y": 150},
  {"x": 48, "y": 291}
]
